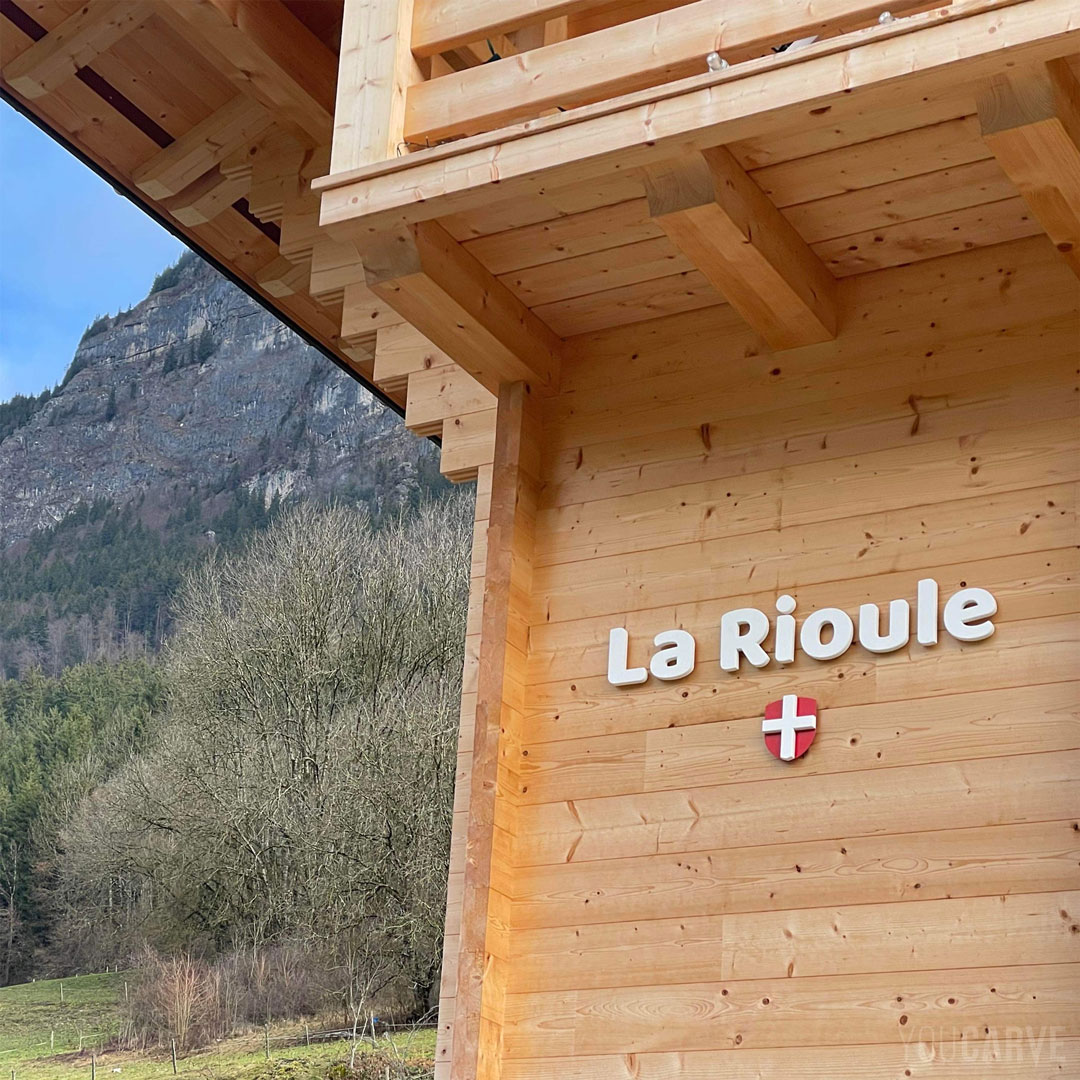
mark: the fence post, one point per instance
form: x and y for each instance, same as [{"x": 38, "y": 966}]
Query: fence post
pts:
[
  {"x": 52, "y": 1042},
  {"x": 93, "y": 1067},
  {"x": 307, "y": 1035},
  {"x": 61, "y": 993},
  {"x": 173, "y": 1041},
  {"x": 266, "y": 1034}
]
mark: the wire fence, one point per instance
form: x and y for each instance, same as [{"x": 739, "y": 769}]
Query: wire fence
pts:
[{"x": 367, "y": 1030}]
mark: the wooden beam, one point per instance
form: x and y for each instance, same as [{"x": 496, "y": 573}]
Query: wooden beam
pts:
[
  {"x": 655, "y": 49},
  {"x": 299, "y": 228},
  {"x": 484, "y": 955},
  {"x": 77, "y": 41},
  {"x": 269, "y": 54},
  {"x": 201, "y": 148},
  {"x": 477, "y": 53},
  {"x": 281, "y": 277},
  {"x": 335, "y": 264},
  {"x": 363, "y": 314},
  {"x": 439, "y": 393},
  {"x": 375, "y": 68},
  {"x": 888, "y": 67},
  {"x": 1031, "y": 121},
  {"x": 723, "y": 222},
  {"x": 211, "y": 194},
  {"x": 275, "y": 174},
  {"x": 440, "y": 25},
  {"x": 401, "y": 351},
  {"x": 454, "y": 301},
  {"x": 468, "y": 442}
]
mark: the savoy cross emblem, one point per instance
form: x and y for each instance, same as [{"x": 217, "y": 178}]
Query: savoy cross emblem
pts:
[{"x": 790, "y": 726}]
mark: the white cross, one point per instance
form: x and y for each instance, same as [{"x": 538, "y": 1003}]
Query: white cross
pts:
[{"x": 787, "y": 724}]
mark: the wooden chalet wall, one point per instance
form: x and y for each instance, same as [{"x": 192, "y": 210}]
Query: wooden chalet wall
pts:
[
  {"x": 680, "y": 903},
  {"x": 683, "y": 904}
]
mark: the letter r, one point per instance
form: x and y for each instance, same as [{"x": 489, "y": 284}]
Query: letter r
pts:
[{"x": 736, "y": 642}]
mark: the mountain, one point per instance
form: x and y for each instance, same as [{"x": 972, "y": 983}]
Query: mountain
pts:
[{"x": 181, "y": 424}]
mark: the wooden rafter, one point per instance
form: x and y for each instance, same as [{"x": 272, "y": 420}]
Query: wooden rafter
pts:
[
  {"x": 211, "y": 194},
  {"x": 363, "y": 314},
  {"x": 454, "y": 301},
  {"x": 275, "y": 174},
  {"x": 78, "y": 40},
  {"x": 282, "y": 277},
  {"x": 201, "y": 148},
  {"x": 269, "y": 54},
  {"x": 722, "y": 221},
  {"x": 1031, "y": 122}
]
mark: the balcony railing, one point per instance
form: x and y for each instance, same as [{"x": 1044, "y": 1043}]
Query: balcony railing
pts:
[{"x": 473, "y": 66}]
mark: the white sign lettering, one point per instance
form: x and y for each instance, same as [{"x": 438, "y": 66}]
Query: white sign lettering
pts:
[{"x": 825, "y": 634}]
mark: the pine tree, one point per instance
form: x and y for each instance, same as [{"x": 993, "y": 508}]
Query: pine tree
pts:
[{"x": 205, "y": 345}]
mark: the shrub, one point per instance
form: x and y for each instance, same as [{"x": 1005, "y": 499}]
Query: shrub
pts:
[
  {"x": 100, "y": 323},
  {"x": 77, "y": 364},
  {"x": 170, "y": 276}
]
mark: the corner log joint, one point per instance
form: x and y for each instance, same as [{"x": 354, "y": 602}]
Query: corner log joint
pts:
[
  {"x": 432, "y": 282},
  {"x": 722, "y": 221},
  {"x": 1030, "y": 120}
]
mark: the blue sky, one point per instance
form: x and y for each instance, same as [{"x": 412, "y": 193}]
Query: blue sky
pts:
[{"x": 70, "y": 249}]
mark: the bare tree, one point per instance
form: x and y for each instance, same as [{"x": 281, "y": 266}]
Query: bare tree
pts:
[{"x": 301, "y": 788}]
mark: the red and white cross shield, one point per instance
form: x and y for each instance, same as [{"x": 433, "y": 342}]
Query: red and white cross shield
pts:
[{"x": 790, "y": 726}]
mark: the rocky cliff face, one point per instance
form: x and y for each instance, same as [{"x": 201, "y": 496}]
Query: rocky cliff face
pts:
[
  {"x": 199, "y": 387},
  {"x": 183, "y": 423}
]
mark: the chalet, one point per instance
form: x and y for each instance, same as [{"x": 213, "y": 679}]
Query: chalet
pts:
[{"x": 715, "y": 302}]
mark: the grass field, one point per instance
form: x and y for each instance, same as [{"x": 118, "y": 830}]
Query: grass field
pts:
[{"x": 31, "y": 1013}]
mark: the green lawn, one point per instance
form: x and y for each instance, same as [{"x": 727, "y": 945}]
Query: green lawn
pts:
[
  {"x": 92, "y": 1008},
  {"x": 30, "y": 1012}
]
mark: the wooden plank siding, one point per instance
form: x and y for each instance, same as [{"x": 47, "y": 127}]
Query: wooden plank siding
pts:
[{"x": 682, "y": 903}]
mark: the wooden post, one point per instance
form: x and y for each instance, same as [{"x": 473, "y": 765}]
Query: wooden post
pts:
[
  {"x": 173, "y": 1046},
  {"x": 375, "y": 69},
  {"x": 483, "y": 959},
  {"x": 266, "y": 1037},
  {"x": 307, "y": 1035},
  {"x": 61, "y": 993},
  {"x": 93, "y": 1067}
]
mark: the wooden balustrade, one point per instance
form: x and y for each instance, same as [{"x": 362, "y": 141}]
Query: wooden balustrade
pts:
[{"x": 476, "y": 65}]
